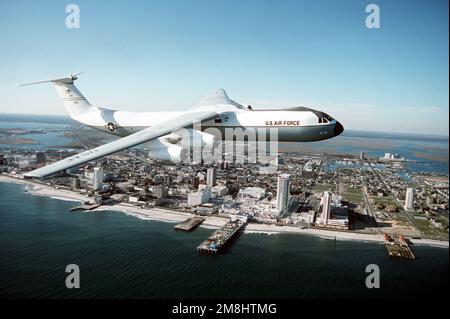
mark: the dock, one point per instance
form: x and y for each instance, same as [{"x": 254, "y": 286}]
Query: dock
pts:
[
  {"x": 219, "y": 238},
  {"x": 190, "y": 223},
  {"x": 398, "y": 247}
]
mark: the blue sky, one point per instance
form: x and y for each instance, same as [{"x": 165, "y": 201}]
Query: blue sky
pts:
[{"x": 165, "y": 55}]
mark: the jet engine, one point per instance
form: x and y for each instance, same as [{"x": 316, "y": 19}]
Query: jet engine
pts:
[
  {"x": 165, "y": 151},
  {"x": 176, "y": 147},
  {"x": 193, "y": 138}
]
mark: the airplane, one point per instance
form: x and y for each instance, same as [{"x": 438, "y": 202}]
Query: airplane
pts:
[{"x": 160, "y": 129}]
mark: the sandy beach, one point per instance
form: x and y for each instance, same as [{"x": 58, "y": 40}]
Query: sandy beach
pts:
[{"x": 212, "y": 222}]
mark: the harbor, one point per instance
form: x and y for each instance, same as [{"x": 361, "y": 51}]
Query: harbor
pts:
[
  {"x": 219, "y": 238},
  {"x": 190, "y": 223},
  {"x": 398, "y": 247}
]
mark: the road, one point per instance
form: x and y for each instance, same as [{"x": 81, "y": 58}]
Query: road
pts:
[{"x": 406, "y": 213}]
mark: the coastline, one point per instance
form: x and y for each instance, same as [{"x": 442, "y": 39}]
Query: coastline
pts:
[{"x": 212, "y": 222}]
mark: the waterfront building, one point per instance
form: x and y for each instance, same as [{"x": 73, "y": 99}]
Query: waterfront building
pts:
[
  {"x": 97, "y": 178},
  {"x": 76, "y": 183},
  {"x": 40, "y": 157},
  {"x": 161, "y": 191},
  {"x": 283, "y": 192},
  {"x": 325, "y": 206},
  {"x": 199, "y": 197},
  {"x": 362, "y": 156}
]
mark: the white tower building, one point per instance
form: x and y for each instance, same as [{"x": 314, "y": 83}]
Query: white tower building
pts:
[
  {"x": 283, "y": 192},
  {"x": 362, "y": 156},
  {"x": 409, "y": 200},
  {"x": 97, "y": 178},
  {"x": 325, "y": 203},
  {"x": 211, "y": 177}
]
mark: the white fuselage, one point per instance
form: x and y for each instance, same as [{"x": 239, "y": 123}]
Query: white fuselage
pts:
[{"x": 292, "y": 125}]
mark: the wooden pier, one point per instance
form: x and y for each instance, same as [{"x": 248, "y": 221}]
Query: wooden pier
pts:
[
  {"x": 398, "y": 247},
  {"x": 219, "y": 238},
  {"x": 85, "y": 207},
  {"x": 189, "y": 224}
]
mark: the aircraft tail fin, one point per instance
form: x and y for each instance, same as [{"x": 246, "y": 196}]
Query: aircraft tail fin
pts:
[{"x": 75, "y": 103}]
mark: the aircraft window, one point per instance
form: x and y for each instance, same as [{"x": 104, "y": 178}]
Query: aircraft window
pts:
[
  {"x": 325, "y": 119},
  {"x": 218, "y": 120}
]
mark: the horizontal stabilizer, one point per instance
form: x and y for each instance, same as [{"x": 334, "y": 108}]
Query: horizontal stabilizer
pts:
[{"x": 68, "y": 80}]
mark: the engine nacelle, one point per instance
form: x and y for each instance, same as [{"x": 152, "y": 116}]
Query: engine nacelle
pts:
[
  {"x": 164, "y": 151},
  {"x": 193, "y": 138}
]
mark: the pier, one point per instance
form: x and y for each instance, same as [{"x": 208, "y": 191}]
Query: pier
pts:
[
  {"x": 189, "y": 224},
  {"x": 85, "y": 207},
  {"x": 219, "y": 238},
  {"x": 398, "y": 247}
]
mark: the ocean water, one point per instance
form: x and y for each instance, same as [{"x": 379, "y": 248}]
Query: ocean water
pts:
[
  {"x": 53, "y": 132},
  {"x": 121, "y": 256}
]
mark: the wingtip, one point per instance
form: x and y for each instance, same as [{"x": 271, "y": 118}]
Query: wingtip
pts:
[{"x": 32, "y": 174}]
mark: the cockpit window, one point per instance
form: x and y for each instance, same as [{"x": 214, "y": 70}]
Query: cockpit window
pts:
[{"x": 324, "y": 118}]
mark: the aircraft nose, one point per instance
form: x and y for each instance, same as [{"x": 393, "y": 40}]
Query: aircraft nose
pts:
[{"x": 338, "y": 129}]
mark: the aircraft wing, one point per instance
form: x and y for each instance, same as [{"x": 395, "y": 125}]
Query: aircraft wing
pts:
[{"x": 173, "y": 124}]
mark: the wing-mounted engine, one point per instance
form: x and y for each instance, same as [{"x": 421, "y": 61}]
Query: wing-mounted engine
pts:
[
  {"x": 189, "y": 138},
  {"x": 162, "y": 150},
  {"x": 177, "y": 146}
]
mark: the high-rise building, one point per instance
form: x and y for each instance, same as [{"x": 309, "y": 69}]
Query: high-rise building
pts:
[
  {"x": 76, "y": 183},
  {"x": 283, "y": 192},
  {"x": 195, "y": 181},
  {"x": 199, "y": 197},
  {"x": 277, "y": 160},
  {"x": 161, "y": 191},
  {"x": 224, "y": 165},
  {"x": 180, "y": 177},
  {"x": 362, "y": 156},
  {"x": 325, "y": 205},
  {"x": 40, "y": 157},
  {"x": 409, "y": 200},
  {"x": 97, "y": 178},
  {"x": 211, "y": 176}
]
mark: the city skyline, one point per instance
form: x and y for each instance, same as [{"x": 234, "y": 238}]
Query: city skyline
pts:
[{"x": 390, "y": 79}]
